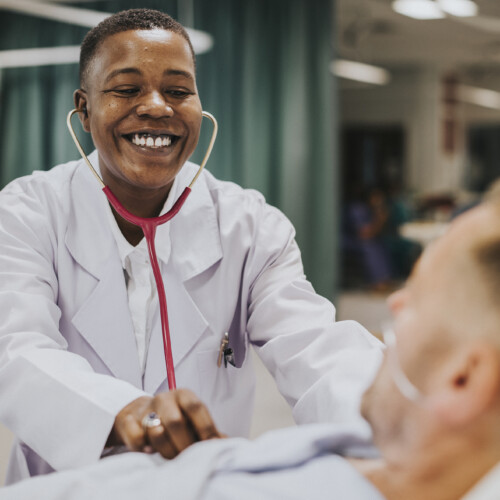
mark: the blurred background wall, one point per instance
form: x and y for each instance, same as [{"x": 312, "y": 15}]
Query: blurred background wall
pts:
[{"x": 419, "y": 126}]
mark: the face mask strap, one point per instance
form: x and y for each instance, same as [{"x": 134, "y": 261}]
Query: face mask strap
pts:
[{"x": 84, "y": 156}]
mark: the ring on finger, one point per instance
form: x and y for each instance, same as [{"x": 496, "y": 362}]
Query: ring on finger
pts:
[{"x": 150, "y": 420}]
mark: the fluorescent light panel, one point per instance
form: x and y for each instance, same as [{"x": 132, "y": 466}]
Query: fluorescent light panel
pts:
[
  {"x": 459, "y": 8},
  {"x": 360, "y": 72},
  {"x": 478, "y": 96},
  {"x": 202, "y": 41},
  {"x": 435, "y": 9},
  {"x": 70, "y": 15},
  {"x": 39, "y": 57},
  {"x": 418, "y": 9}
]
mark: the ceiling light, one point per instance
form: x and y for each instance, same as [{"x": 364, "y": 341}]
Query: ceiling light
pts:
[
  {"x": 201, "y": 41},
  {"x": 478, "y": 96},
  {"x": 459, "y": 8},
  {"x": 418, "y": 9},
  {"x": 360, "y": 72},
  {"x": 39, "y": 57}
]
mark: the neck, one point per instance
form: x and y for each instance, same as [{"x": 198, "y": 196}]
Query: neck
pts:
[
  {"x": 142, "y": 203},
  {"x": 432, "y": 475}
]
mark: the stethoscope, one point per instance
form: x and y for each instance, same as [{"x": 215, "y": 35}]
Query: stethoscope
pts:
[{"x": 148, "y": 226}]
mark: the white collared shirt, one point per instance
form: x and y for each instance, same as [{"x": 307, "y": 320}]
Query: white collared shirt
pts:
[{"x": 141, "y": 287}]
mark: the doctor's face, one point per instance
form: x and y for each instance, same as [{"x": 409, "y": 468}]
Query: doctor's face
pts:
[{"x": 143, "y": 108}]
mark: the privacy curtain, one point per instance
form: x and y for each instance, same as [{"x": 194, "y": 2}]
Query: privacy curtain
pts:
[{"x": 266, "y": 80}]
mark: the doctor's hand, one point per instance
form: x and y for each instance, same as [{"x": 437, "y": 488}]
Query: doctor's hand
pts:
[{"x": 184, "y": 420}]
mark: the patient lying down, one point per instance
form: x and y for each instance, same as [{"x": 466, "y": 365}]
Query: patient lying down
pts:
[{"x": 433, "y": 408}]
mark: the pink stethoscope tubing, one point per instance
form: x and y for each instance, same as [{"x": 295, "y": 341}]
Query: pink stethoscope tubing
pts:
[{"x": 148, "y": 226}]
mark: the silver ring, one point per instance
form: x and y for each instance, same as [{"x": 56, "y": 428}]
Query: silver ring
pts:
[{"x": 151, "y": 420}]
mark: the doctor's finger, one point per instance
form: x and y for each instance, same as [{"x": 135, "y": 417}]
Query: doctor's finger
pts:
[
  {"x": 161, "y": 442},
  {"x": 131, "y": 432},
  {"x": 198, "y": 415},
  {"x": 177, "y": 428}
]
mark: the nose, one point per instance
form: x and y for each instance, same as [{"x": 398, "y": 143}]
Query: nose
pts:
[
  {"x": 397, "y": 300},
  {"x": 155, "y": 105}
]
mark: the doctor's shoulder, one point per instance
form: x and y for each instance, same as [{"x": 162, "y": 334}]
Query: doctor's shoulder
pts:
[
  {"x": 40, "y": 194},
  {"x": 246, "y": 209}
]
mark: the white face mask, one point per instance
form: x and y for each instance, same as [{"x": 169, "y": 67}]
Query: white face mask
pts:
[{"x": 407, "y": 388}]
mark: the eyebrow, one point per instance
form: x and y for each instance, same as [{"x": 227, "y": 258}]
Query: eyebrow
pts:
[
  {"x": 135, "y": 71},
  {"x": 178, "y": 72}
]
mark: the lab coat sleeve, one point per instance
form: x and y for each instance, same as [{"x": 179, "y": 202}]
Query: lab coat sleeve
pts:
[
  {"x": 50, "y": 398},
  {"x": 320, "y": 366}
]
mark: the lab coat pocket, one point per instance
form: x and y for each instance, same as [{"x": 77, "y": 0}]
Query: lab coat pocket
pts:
[
  {"x": 227, "y": 391},
  {"x": 216, "y": 382}
]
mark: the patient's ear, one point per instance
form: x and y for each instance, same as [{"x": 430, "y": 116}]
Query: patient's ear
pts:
[{"x": 470, "y": 385}]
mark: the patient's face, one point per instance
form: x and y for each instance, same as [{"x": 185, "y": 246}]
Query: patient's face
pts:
[{"x": 440, "y": 304}]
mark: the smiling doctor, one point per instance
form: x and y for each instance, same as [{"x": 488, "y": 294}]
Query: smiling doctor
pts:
[{"x": 82, "y": 368}]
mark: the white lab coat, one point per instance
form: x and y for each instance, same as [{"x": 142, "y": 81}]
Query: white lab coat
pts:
[{"x": 68, "y": 358}]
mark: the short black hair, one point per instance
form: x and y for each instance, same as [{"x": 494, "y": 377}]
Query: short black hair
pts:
[{"x": 126, "y": 20}]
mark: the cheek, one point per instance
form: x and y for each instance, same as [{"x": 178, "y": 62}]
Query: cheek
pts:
[
  {"x": 104, "y": 113},
  {"x": 191, "y": 111}
]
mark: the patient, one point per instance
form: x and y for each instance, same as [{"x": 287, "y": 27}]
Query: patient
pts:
[{"x": 434, "y": 408}]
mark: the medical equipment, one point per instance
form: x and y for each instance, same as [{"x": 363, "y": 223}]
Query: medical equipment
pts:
[
  {"x": 148, "y": 226},
  {"x": 225, "y": 352},
  {"x": 403, "y": 383}
]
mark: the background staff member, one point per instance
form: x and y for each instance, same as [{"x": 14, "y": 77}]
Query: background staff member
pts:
[{"x": 81, "y": 355}]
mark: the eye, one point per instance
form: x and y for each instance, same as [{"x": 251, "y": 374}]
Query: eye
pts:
[
  {"x": 179, "y": 93},
  {"x": 123, "y": 91}
]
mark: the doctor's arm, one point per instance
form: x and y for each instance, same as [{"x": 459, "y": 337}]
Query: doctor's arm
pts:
[
  {"x": 320, "y": 366},
  {"x": 51, "y": 399}
]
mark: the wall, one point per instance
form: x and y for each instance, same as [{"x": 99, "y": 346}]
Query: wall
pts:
[{"x": 414, "y": 99}]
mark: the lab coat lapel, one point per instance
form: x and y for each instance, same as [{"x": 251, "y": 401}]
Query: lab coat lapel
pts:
[
  {"x": 187, "y": 325},
  {"x": 194, "y": 247},
  {"x": 194, "y": 232},
  {"x": 103, "y": 319}
]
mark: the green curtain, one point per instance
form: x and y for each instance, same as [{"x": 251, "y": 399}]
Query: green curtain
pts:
[{"x": 266, "y": 80}]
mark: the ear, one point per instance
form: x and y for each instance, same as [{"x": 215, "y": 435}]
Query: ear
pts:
[
  {"x": 471, "y": 386},
  {"x": 80, "y": 100}
]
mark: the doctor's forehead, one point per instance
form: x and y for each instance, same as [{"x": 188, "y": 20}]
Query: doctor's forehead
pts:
[
  {"x": 158, "y": 47},
  {"x": 137, "y": 48},
  {"x": 129, "y": 20}
]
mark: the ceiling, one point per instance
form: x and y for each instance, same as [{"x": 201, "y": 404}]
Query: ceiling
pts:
[{"x": 370, "y": 31}]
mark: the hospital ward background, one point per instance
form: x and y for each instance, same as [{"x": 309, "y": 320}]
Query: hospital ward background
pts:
[{"x": 370, "y": 123}]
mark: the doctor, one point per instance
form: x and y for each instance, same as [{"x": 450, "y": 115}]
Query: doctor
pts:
[{"x": 81, "y": 354}]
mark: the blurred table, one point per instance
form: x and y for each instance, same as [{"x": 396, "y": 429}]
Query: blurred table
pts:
[{"x": 423, "y": 232}]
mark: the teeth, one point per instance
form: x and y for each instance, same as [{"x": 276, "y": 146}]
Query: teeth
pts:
[{"x": 152, "y": 141}]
